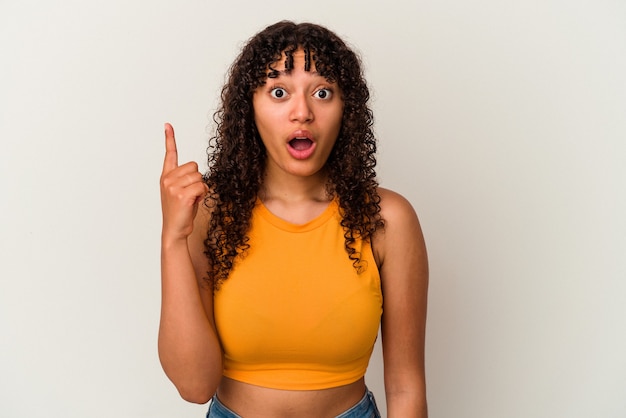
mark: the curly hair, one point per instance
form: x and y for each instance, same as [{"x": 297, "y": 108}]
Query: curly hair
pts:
[{"x": 237, "y": 156}]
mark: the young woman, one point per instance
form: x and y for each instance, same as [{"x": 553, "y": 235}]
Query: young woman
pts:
[{"x": 280, "y": 263}]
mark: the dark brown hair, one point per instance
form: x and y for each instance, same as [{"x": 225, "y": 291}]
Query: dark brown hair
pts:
[{"x": 237, "y": 155}]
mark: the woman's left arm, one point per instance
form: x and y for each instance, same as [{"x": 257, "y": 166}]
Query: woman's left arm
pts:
[{"x": 403, "y": 265}]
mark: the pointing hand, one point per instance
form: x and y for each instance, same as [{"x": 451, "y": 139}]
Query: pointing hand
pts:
[{"x": 182, "y": 189}]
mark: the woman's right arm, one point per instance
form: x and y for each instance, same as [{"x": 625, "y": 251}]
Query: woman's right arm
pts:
[{"x": 189, "y": 348}]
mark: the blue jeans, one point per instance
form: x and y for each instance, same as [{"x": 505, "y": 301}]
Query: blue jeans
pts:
[{"x": 365, "y": 408}]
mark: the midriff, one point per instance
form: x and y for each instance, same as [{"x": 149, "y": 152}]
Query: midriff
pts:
[{"x": 250, "y": 401}]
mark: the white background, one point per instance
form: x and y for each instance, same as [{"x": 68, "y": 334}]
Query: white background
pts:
[{"x": 503, "y": 122}]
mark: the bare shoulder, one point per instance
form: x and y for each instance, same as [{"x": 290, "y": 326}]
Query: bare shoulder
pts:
[
  {"x": 394, "y": 207},
  {"x": 398, "y": 214},
  {"x": 402, "y": 231}
]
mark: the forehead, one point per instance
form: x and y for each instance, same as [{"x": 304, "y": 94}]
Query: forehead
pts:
[{"x": 290, "y": 60}]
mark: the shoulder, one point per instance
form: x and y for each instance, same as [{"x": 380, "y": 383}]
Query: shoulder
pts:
[
  {"x": 393, "y": 206},
  {"x": 398, "y": 215},
  {"x": 402, "y": 231}
]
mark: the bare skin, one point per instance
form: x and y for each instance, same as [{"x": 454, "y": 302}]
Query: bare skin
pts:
[
  {"x": 189, "y": 349},
  {"x": 293, "y": 189},
  {"x": 255, "y": 401}
]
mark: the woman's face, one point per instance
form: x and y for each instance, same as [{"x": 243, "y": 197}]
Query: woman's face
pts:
[{"x": 298, "y": 116}]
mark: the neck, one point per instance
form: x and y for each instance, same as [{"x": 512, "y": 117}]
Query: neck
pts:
[{"x": 291, "y": 188}]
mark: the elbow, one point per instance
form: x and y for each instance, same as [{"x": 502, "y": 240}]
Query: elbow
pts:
[
  {"x": 198, "y": 398},
  {"x": 199, "y": 395},
  {"x": 194, "y": 384}
]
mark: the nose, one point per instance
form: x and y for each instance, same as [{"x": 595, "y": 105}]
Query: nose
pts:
[{"x": 301, "y": 110}]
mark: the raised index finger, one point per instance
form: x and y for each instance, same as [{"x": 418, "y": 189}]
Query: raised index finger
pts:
[{"x": 171, "y": 154}]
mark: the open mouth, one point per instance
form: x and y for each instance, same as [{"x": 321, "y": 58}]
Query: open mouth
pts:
[{"x": 300, "y": 144}]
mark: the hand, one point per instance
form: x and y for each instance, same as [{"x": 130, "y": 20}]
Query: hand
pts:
[{"x": 182, "y": 189}]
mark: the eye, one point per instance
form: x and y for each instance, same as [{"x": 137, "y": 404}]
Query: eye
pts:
[
  {"x": 278, "y": 92},
  {"x": 323, "y": 94}
]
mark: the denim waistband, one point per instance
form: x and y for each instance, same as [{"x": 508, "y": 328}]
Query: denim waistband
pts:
[
  {"x": 219, "y": 410},
  {"x": 365, "y": 408}
]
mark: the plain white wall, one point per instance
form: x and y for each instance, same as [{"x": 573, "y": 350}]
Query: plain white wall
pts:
[{"x": 502, "y": 121}]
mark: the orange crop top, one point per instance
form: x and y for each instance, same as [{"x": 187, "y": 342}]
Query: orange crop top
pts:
[{"x": 294, "y": 313}]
